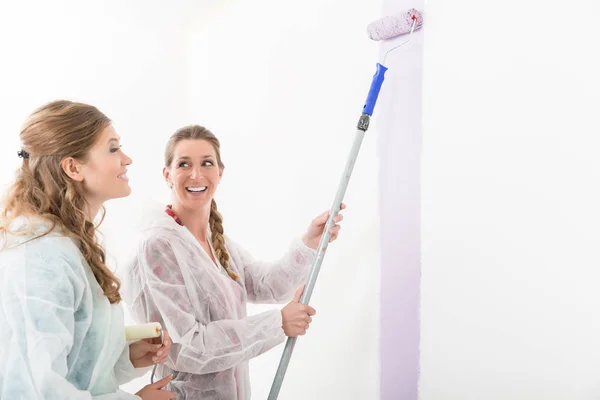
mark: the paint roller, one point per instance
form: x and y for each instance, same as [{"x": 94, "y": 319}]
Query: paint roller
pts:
[
  {"x": 383, "y": 29},
  {"x": 392, "y": 26},
  {"x": 145, "y": 331}
]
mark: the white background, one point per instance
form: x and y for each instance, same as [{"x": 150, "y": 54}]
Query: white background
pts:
[
  {"x": 282, "y": 90},
  {"x": 510, "y": 201}
]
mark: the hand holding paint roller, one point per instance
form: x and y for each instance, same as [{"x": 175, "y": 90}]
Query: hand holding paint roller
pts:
[
  {"x": 151, "y": 345},
  {"x": 148, "y": 348}
]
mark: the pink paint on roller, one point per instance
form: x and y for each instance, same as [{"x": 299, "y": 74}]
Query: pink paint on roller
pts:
[{"x": 396, "y": 25}]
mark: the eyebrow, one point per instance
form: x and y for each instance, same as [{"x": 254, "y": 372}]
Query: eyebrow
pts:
[
  {"x": 189, "y": 158},
  {"x": 114, "y": 139}
]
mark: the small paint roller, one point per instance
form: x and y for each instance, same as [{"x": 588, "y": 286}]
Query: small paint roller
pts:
[
  {"x": 382, "y": 29},
  {"x": 145, "y": 331}
]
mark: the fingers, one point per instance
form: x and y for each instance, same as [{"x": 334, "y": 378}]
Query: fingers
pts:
[
  {"x": 300, "y": 330},
  {"x": 160, "y": 359},
  {"x": 334, "y": 231},
  {"x": 305, "y": 321},
  {"x": 146, "y": 346},
  {"x": 307, "y": 310},
  {"x": 168, "y": 395},
  {"x": 298, "y": 294},
  {"x": 297, "y": 317},
  {"x": 162, "y": 383},
  {"x": 163, "y": 354},
  {"x": 166, "y": 345},
  {"x": 321, "y": 219},
  {"x": 155, "y": 340},
  {"x": 166, "y": 338}
]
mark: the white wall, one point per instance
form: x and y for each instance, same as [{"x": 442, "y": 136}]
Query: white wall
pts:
[
  {"x": 510, "y": 195},
  {"x": 283, "y": 90}
]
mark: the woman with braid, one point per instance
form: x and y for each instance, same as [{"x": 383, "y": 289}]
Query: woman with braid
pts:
[{"x": 196, "y": 281}]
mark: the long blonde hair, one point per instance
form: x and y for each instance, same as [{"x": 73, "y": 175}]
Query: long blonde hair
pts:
[
  {"x": 51, "y": 133},
  {"x": 197, "y": 132}
]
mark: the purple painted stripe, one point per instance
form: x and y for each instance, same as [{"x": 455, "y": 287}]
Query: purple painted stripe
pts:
[{"x": 399, "y": 129}]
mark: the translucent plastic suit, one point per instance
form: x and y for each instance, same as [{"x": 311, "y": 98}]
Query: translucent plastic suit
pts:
[
  {"x": 60, "y": 337},
  {"x": 174, "y": 281}
]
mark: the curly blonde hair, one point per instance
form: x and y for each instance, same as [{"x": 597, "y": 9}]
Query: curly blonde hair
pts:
[
  {"x": 51, "y": 133},
  {"x": 197, "y": 132}
]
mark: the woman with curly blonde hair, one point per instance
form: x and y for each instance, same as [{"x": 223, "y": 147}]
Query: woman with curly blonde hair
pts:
[{"x": 61, "y": 321}]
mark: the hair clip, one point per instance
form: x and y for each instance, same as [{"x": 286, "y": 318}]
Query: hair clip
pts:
[{"x": 23, "y": 154}]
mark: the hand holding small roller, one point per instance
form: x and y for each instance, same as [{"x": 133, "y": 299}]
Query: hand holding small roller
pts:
[
  {"x": 150, "y": 345},
  {"x": 149, "y": 351}
]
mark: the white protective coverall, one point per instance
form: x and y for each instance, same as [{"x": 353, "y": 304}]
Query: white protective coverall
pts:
[
  {"x": 174, "y": 281},
  {"x": 60, "y": 336}
]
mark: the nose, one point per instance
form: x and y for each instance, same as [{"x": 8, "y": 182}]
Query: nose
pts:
[
  {"x": 126, "y": 159},
  {"x": 195, "y": 173}
]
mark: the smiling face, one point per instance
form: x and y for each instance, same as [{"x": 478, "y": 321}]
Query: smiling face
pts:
[
  {"x": 105, "y": 170},
  {"x": 194, "y": 173},
  {"x": 102, "y": 172}
]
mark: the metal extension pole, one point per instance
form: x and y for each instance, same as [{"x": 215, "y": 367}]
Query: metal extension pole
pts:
[
  {"x": 362, "y": 126},
  {"x": 314, "y": 272}
]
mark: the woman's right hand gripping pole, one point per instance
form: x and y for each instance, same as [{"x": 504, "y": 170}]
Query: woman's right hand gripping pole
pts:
[{"x": 296, "y": 317}]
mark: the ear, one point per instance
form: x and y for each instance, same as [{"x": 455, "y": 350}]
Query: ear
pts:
[
  {"x": 221, "y": 170},
  {"x": 167, "y": 173},
  {"x": 72, "y": 168}
]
